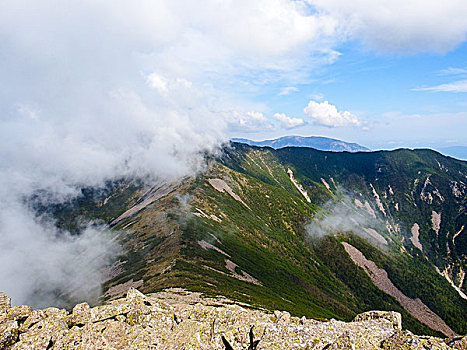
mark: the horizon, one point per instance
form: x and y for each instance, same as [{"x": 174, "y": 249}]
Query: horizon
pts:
[{"x": 355, "y": 142}]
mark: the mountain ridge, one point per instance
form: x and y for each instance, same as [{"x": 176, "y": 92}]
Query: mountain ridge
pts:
[
  {"x": 245, "y": 229},
  {"x": 317, "y": 142}
]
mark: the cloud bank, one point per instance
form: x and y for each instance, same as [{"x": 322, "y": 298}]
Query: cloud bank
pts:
[
  {"x": 342, "y": 215},
  {"x": 45, "y": 266},
  {"x": 398, "y": 26}
]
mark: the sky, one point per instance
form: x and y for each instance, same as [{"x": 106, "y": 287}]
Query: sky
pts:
[
  {"x": 401, "y": 79},
  {"x": 416, "y": 100},
  {"x": 95, "y": 90},
  {"x": 385, "y": 74}
]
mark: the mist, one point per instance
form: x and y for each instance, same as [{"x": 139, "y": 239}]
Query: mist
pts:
[
  {"x": 341, "y": 215},
  {"x": 43, "y": 266}
]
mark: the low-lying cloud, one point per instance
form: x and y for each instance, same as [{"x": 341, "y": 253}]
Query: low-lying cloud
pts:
[
  {"x": 343, "y": 215},
  {"x": 43, "y": 266}
]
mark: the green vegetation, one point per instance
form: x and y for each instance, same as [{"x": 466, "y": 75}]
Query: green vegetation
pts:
[{"x": 266, "y": 236}]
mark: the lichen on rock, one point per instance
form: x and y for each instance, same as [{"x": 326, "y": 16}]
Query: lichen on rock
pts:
[{"x": 176, "y": 319}]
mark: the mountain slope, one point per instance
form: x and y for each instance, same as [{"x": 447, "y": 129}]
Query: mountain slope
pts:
[
  {"x": 316, "y": 142},
  {"x": 267, "y": 227}
]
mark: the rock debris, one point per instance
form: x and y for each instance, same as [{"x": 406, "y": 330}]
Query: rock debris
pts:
[{"x": 178, "y": 319}]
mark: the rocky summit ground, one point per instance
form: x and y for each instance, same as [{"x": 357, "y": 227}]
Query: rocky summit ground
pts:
[{"x": 178, "y": 319}]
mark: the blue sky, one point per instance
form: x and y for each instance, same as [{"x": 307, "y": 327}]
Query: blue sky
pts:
[{"x": 385, "y": 91}]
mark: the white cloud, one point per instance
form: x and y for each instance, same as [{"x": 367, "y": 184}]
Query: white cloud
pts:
[
  {"x": 400, "y": 25},
  {"x": 287, "y": 90},
  {"x": 327, "y": 115},
  {"x": 157, "y": 82},
  {"x": 288, "y": 122},
  {"x": 317, "y": 97},
  {"x": 457, "y": 86},
  {"x": 453, "y": 71},
  {"x": 248, "y": 122}
]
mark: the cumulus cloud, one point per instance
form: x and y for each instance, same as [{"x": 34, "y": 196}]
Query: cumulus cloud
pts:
[
  {"x": 287, "y": 90},
  {"x": 456, "y": 86},
  {"x": 248, "y": 121},
  {"x": 288, "y": 122},
  {"x": 398, "y": 25},
  {"x": 327, "y": 114}
]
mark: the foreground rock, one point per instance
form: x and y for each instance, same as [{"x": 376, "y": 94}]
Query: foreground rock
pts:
[{"x": 177, "y": 319}]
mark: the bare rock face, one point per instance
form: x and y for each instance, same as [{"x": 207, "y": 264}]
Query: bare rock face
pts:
[
  {"x": 402, "y": 340},
  {"x": 178, "y": 319},
  {"x": 5, "y": 302},
  {"x": 392, "y": 316},
  {"x": 8, "y": 334}
]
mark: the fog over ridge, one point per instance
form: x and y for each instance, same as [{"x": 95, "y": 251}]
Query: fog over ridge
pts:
[{"x": 343, "y": 215}]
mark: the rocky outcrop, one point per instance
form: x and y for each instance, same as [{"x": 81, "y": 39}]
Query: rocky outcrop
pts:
[{"x": 178, "y": 319}]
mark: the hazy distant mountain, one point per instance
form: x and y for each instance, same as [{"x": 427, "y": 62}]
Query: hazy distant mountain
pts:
[
  {"x": 459, "y": 152},
  {"x": 316, "y": 142}
]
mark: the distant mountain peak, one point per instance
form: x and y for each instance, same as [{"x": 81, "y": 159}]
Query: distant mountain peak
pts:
[{"x": 316, "y": 142}]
